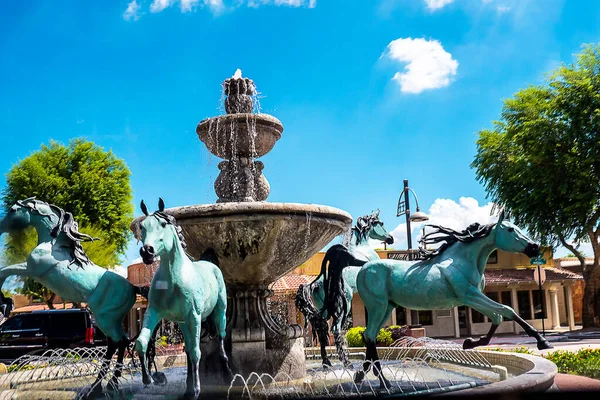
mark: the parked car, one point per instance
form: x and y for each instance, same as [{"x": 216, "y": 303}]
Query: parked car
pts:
[{"x": 38, "y": 331}]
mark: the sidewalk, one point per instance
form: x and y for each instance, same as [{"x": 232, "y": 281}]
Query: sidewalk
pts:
[{"x": 574, "y": 383}]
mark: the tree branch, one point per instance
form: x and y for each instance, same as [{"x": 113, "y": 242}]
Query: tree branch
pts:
[{"x": 572, "y": 248}]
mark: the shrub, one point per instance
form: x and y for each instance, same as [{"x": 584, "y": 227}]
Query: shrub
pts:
[
  {"x": 354, "y": 336},
  {"x": 384, "y": 337},
  {"x": 398, "y": 331}
]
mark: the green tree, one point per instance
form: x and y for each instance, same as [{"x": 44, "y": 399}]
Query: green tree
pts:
[
  {"x": 541, "y": 162},
  {"x": 84, "y": 179}
]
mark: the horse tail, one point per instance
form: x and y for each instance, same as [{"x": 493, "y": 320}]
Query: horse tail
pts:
[
  {"x": 338, "y": 258},
  {"x": 304, "y": 303},
  {"x": 311, "y": 314}
]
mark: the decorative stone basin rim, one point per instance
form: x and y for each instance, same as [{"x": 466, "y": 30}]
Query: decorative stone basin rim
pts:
[{"x": 257, "y": 243}]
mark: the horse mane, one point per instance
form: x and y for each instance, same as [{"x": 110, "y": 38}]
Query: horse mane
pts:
[
  {"x": 67, "y": 225},
  {"x": 364, "y": 225},
  {"x": 448, "y": 237}
]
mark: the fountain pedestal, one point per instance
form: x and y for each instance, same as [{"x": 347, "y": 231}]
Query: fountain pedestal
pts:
[{"x": 259, "y": 342}]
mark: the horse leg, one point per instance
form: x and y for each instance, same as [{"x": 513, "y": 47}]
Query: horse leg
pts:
[
  {"x": 193, "y": 351},
  {"x": 141, "y": 345},
  {"x": 219, "y": 319},
  {"x": 114, "y": 382},
  {"x": 96, "y": 388},
  {"x": 322, "y": 328},
  {"x": 10, "y": 270},
  {"x": 495, "y": 311},
  {"x": 378, "y": 314}
]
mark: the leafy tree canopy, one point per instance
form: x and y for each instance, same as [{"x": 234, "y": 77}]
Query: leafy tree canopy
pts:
[
  {"x": 541, "y": 161},
  {"x": 83, "y": 179}
]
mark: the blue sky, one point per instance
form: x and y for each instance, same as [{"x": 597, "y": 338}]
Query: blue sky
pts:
[{"x": 369, "y": 92}]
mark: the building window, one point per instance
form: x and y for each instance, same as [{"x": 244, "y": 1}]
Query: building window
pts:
[
  {"x": 401, "y": 316},
  {"x": 493, "y": 258},
  {"x": 493, "y": 296},
  {"x": 426, "y": 317},
  {"x": 444, "y": 313},
  {"x": 539, "y": 311},
  {"x": 524, "y": 302},
  {"x": 506, "y": 298},
  {"x": 477, "y": 317}
]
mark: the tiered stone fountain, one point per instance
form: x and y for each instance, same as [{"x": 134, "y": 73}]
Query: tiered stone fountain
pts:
[{"x": 256, "y": 242}]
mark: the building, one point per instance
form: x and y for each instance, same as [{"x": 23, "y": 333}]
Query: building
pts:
[{"x": 510, "y": 280}]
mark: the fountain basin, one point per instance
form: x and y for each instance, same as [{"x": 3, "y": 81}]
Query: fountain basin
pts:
[
  {"x": 257, "y": 243},
  {"x": 240, "y": 135}
]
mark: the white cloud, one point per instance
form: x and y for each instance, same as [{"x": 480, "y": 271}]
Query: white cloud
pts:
[
  {"x": 444, "y": 212},
  {"x": 131, "y": 13},
  {"x": 502, "y": 8},
  {"x": 215, "y": 6},
  {"x": 429, "y": 66},
  {"x": 288, "y": 3},
  {"x": 159, "y": 5},
  {"x": 437, "y": 4}
]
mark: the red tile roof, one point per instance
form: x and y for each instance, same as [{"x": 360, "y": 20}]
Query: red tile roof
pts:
[
  {"x": 290, "y": 283},
  {"x": 525, "y": 275}
]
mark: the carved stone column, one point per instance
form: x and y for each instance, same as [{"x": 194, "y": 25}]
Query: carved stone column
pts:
[{"x": 257, "y": 340}]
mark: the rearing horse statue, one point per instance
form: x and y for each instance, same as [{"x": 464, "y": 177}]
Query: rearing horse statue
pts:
[
  {"x": 59, "y": 262},
  {"x": 450, "y": 276},
  {"x": 182, "y": 291},
  {"x": 367, "y": 227}
]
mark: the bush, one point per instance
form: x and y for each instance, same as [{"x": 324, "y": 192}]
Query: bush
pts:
[
  {"x": 354, "y": 336},
  {"x": 398, "y": 331},
  {"x": 384, "y": 338},
  {"x": 585, "y": 362}
]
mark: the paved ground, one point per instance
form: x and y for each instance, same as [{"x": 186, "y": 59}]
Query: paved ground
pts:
[
  {"x": 570, "y": 341},
  {"x": 574, "y": 383}
]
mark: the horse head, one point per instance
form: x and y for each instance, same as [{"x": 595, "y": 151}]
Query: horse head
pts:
[
  {"x": 18, "y": 216},
  {"x": 510, "y": 238},
  {"x": 159, "y": 233},
  {"x": 376, "y": 230}
]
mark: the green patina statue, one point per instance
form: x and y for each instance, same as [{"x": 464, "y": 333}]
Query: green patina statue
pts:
[
  {"x": 450, "y": 276},
  {"x": 183, "y": 291},
  {"x": 60, "y": 263},
  {"x": 367, "y": 227}
]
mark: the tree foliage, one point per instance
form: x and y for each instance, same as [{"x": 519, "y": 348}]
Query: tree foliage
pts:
[
  {"x": 83, "y": 179},
  {"x": 541, "y": 161}
]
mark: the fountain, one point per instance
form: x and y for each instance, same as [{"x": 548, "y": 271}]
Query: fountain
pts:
[{"x": 256, "y": 242}]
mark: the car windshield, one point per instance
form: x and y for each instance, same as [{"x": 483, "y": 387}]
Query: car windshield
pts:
[{"x": 22, "y": 322}]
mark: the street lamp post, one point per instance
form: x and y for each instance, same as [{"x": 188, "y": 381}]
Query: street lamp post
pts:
[{"x": 418, "y": 216}]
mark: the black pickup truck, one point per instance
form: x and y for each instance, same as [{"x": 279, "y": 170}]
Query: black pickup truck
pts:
[{"x": 38, "y": 331}]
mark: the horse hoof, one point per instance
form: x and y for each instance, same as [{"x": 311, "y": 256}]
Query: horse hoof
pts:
[
  {"x": 384, "y": 383},
  {"x": 159, "y": 378},
  {"x": 94, "y": 392},
  {"x": 469, "y": 343},
  {"x": 544, "y": 344},
  {"x": 327, "y": 363},
  {"x": 359, "y": 376},
  {"x": 191, "y": 395},
  {"x": 146, "y": 380}
]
